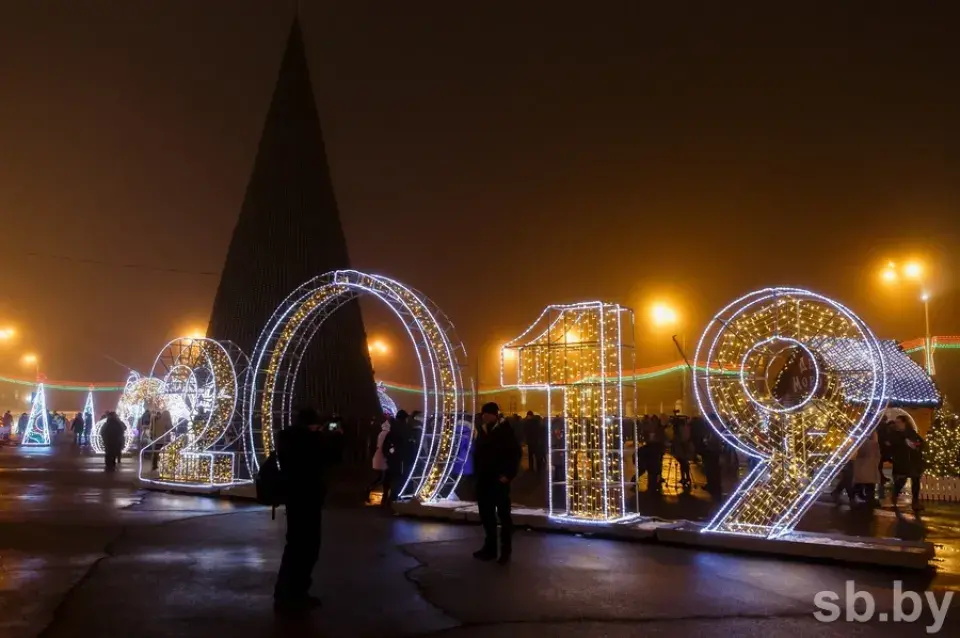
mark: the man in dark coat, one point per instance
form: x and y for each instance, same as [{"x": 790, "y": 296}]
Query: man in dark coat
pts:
[
  {"x": 496, "y": 461},
  {"x": 112, "y": 433},
  {"x": 907, "y": 452},
  {"x": 534, "y": 435},
  {"x": 305, "y": 453},
  {"x": 77, "y": 427},
  {"x": 87, "y": 427}
]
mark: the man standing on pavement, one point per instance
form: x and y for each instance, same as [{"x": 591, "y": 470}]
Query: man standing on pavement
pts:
[
  {"x": 496, "y": 460},
  {"x": 305, "y": 453}
]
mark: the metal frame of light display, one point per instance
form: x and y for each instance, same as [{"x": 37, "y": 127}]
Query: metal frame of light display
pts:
[
  {"x": 139, "y": 393},
  {"x": 37, "y": 429},
  {"x": 810, "y": 385},
  {"x": 200, "y": 388},
  {"x": 268, "y": 396},
  {"x": 582, "y": 349}
]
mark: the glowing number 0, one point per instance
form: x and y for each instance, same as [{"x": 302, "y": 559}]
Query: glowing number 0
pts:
[{"x": 795, "y": 381}]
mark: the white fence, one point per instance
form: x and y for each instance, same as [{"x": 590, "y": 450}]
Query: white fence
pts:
[{"x": 940, "y": 489}]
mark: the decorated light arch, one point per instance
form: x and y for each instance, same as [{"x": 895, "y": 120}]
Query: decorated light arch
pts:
[
  {"x": 808, "y": 385},
  {"x": 139, "y": 395},
  {"x": 198, "y": 383},
  {"x": 275, "y": 360}
]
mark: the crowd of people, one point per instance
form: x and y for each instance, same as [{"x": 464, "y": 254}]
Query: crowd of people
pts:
[
  {"x": 896, "y": 442},
  {"x": 15, "y": 426},
  {"x": 650, "y": 438}
]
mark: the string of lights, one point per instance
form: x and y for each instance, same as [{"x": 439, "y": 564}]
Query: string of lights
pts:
[
  {"x": 800, "y": 424},
  {"x": 275, "y": 362},
  {"x": 198, "y": 385},
  {"x": 37, "y": 431},
  {"x": 942, "y": 450},
  {"x": 580, "y": 350}
]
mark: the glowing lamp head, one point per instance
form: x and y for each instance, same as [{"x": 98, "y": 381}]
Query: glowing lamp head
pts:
[
  {"x": 378, "y": 347},
  {"x": 7, "y": 333},
  {"x": 30, "y": 359},
  {"x": 663, "y": 315},
  {"x": 889, "y": 275},
  {"x": 925, "y": 296},
  {"x": 913, "y": 270}
]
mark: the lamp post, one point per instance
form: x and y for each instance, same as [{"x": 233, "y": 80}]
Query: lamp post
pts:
[
  {"x": 915, "y": 271},
  {"x": 664, "y": 315},
  {"x": 928, "y": 340}
]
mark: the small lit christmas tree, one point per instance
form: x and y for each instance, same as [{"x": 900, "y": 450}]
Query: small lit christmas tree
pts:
[
  {"x": 942, "y": 454},
  {"x": 38, "y": 428},
  {"x": 88, "y": 406}
]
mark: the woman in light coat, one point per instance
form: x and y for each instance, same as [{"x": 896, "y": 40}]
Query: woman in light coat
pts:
[
  {"x": 380, "y": 460},
  {"x": 866, "y": 469}
]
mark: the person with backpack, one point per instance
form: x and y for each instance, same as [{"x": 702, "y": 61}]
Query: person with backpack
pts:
[{"x": 305, "y": 452}]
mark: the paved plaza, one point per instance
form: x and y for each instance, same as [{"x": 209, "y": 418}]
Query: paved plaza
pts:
[{"x": 89, "y": 554}]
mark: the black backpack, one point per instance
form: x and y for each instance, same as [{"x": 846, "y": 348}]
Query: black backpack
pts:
[{"x": 269, "y": 482}]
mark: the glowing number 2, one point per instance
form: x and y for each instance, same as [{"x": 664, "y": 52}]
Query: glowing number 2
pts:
[{"x": 795, "y": 381}]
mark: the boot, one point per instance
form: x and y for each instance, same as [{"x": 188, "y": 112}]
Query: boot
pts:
[{"x": 486, "y": 553}]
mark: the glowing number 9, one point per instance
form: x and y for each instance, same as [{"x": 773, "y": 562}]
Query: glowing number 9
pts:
[{"x": 795, "y": 381}]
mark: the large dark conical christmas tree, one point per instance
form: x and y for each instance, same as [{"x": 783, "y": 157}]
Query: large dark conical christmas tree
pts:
[{"x": 288, "y": 232}]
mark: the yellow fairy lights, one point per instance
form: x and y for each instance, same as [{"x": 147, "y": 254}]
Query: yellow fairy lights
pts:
[
  {"x": 810, "y": 386},
  {"x": 581, "y": 349},
  {"x": 139, "y": 395},
  {"x": 200, "y": 391},
  {"x": 288, "y": 333}
]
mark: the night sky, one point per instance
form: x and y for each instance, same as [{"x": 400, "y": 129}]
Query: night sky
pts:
[{"x": 499, "y": 156}]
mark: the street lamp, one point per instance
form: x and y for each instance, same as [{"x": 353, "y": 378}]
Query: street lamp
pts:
[
  {"x": 378, "y": 347},
  {"x": 664, "y": 315},
  {"x": 915, "y": 271},
  {"x": 32, "y": 359},
  {"x": 6, "y": 334}
]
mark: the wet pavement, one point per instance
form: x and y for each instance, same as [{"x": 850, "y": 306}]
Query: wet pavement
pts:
[{"x": 87, "y": 554}]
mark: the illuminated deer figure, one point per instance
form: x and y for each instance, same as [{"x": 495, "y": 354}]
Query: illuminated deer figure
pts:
[{"x": 582, "y": 350}]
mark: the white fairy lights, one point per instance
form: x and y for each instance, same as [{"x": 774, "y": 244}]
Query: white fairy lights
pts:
[
  {"x": 37, "y": 431},
  {"x": 138, "y": 393},
  {"x": 200, "y": 390},
  {"x": 88, "y": 409},
  {"x": 387, "y": 404},
  {"x": 811, "y": 384},
  {"x": 270, "y": 386},
  {"x": 581, "y": 350}
]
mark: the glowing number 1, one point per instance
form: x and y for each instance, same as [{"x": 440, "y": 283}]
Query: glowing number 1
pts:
[
  {"x": 581, "y": 349},
  {"x": 795, "y": 381}
]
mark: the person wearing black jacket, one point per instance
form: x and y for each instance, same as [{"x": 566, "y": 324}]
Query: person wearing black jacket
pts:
[
  {"x": 305, "y": 453},
  {"x": 496, "y": 461},
  {"x": 907, "y": 450}
]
